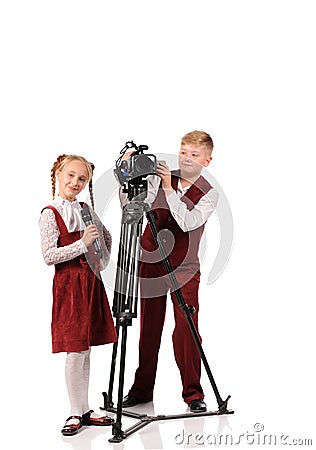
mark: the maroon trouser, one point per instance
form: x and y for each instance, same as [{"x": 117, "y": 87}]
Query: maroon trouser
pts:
[{"x": 186, "y": 353}]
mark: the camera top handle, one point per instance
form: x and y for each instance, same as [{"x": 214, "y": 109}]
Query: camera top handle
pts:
[{"x": 130, "y": 144}]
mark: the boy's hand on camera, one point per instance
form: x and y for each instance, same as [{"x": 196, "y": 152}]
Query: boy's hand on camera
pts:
[
  {"x": 164, "y": 173},
  {"x": 90, "y": 234},
  {"x": 126, "y": 155}
]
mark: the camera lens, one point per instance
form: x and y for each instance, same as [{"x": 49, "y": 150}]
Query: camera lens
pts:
[{"x": 143, "y": 164}]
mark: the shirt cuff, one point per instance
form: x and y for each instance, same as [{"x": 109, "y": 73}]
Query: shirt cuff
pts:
[{"x": 83, "y": 246}]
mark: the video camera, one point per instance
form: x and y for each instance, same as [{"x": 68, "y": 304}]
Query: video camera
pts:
[{"x": 131, "y": 172}]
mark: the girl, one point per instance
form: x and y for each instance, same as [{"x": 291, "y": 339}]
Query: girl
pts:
[{"x": 81, "y": 316}]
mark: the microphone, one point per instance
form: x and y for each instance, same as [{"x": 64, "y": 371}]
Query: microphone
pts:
[{"x": 87, "y": 218}]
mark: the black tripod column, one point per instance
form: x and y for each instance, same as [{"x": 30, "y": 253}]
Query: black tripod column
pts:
[
  {"x": 188, "y": 311},
  {"x": 125, "y": 300}
]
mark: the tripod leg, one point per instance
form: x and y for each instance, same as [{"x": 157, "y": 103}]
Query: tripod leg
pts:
[
  {"x": 118, "y": 302},
  {"x": 108, "y": 397},
  {"x": 198, "y": 344},
  {"x": 117, "y": 426}
]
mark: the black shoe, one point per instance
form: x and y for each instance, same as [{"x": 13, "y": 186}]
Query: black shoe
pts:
[
  {"x": 129, "y": 401},
  {"x": 197, "y": 405}
]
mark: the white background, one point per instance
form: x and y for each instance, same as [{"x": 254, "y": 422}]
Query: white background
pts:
[{"x": 84, "y": 77}]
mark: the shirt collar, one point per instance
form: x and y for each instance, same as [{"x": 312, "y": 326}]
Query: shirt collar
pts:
[
  {"x": 62, "y": 201},
  {"x": 180, "y": 188}
]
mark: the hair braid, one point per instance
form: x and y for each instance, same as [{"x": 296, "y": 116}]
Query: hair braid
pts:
[
  {"x": 91, "y": 194},
  {"x": 91, "y": 186},
  {"x": 53, "y": 172}
]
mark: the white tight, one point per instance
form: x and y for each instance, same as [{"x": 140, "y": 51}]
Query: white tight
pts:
[{"x": 77, "y": 379}]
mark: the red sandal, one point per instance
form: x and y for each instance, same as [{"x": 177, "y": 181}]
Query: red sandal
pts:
[
  {"x": 71, "y": 429},
  {"x": 99, "y": 421}
]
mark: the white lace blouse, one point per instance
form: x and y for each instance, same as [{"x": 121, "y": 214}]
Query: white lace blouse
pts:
[{"x": 71, "y": 214}]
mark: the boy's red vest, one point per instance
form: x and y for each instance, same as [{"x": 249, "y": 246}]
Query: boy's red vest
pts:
[{"x": 182, "y": 246}]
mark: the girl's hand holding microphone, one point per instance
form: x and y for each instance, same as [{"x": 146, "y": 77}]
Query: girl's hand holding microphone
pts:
[{"x": 90, "y": 234}]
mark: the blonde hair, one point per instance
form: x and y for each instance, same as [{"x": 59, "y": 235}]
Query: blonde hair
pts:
[
  {"x": 62, "y": 161},
  {"x": 198, "y": 138}
]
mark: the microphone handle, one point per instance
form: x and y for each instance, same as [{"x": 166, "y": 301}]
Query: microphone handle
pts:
[
  {"x": 96, "y": 243},
  {"x": 97, "y": 247}
]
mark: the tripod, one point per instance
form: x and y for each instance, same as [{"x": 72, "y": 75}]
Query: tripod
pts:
[{"x": 125, "y": 309}]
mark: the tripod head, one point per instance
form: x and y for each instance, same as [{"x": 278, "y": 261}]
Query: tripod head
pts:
[{"x": 132, "y": 172}]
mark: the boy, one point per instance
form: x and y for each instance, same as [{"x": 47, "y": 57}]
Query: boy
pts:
[{"x": 183, "y": 201}]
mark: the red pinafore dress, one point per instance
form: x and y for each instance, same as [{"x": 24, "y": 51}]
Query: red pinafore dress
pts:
[{"x": 81, "y": 315}]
